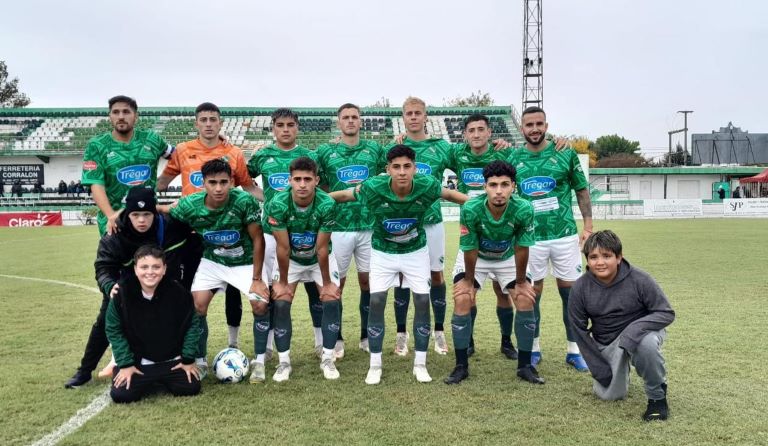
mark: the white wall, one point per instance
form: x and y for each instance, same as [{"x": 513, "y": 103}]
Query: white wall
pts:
[
  {"x": 678, "y": 186},
  {"x": 67, "y": 168}
]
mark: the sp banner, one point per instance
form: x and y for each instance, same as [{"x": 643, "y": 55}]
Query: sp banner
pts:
[{"x": 30, "y": 219}]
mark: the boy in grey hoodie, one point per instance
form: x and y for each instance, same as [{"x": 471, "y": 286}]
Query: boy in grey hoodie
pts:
[{"x": 628, "y": 313}]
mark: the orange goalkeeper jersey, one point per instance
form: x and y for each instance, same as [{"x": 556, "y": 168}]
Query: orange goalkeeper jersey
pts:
[{"x": 190, "y": 156}]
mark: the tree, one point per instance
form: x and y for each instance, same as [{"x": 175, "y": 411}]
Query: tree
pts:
[
  {"x": 9, "y": 90},
  {"x": 622, "y": 160},
  {"x": 583, "y": 145},
  {"x": 382, "y": 102},
  {"x": 609, "y": 145},
  {"x": 476, "y": 99}
]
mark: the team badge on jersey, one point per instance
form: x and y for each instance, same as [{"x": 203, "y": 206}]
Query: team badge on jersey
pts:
[
  {"x": 424, "y": 169},
  {"x": 196, "y": 178},
  {"x": 222, "y": 238},
  {"x": 352, "y": 174},
  {"x": 278, "y": 181},
  {"x": 535, "y": 186},
  {"x": 473, "y": 177},
  {"x": 133, "y": 175}
]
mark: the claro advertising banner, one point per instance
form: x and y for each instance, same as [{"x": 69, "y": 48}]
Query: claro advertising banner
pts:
[{"x": 30, "y": 219}]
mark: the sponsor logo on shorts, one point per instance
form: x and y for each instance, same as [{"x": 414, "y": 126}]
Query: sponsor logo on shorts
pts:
[
  {"x": 303, "y": 240},
  {"x": 90, "y": 165},
  {"x": 196, "y": 178},
  {"x": 423, "y": 168},
  {"x": 399, "y": 226},
  {"x": 375, "y": 332},
  {"x": 222, "y": 238},
  {"x": 473, "y": 177},
  {"x": 278, "y": 181},
  {"x": 352, "y": 174},
  {"x": 535, "y": 186},
  {"x": 133, "y": 175}
]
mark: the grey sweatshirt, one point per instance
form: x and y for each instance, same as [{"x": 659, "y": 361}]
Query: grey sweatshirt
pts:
[{"x": 631, "y": 306}]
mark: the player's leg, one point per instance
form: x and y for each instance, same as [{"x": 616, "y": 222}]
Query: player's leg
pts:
[
  {"x": 461, "y": 327},
  {"x": 283, "y": 330},
  {"x": 270, "y": 257},
  {"x": 525, "y": 327},
  {"x": 649, "y": 364},
  {"x": 141, "y": 385},
  {"x": 176, "y": 381},
  {"x": 506, "y": 314},
  {"x": 383, "y": 276},
  {"x": 209, "y": 276},
  {"x": 401, "y": 303},
  {"x": 538, "y": 265},
  {"x": 458, "y": 269},
  {"x": 331, "y": 320},
  {"x": 566, "y": 267},
  {"x": 315, "y": 312},
  {"x": 363, "y": 264},
  {"x": 94, "y": 349},
  {"x": 416, "y": 276},
  {"x": 436, "y": 246},
  {"x": 233, "y": 309}
]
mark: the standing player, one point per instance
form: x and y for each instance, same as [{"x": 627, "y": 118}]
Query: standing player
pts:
[
  {"x": 343, "y": 165},
  {"x": 301, "y": 219},
  {"x": 496, "y": 231},
  {"x": 546, "y": 178},
  {"x": 399, "y": 203},
  {"x": 186, "y": 160},
  {"x": 116, "y": 161},
  {"x": 228, "y": 221}
]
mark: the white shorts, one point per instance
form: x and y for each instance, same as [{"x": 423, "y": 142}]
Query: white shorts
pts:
[
  {"x": 310, "y": 273},
  {"x": 386, "y": 269},
  {"x": 436, "y": 246},
  {"x": 502, "y": 272},
  {"x": 212, "y": 276},
  {"x": 347, "y": 244},
  {"x": 562, "y": 253},
  {"x": 270, "y": 254}
]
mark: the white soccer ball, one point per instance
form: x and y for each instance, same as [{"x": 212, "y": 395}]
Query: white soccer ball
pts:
[{"x": 230, "y": 365}]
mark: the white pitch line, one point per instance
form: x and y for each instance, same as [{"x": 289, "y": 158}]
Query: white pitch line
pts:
[{"x": 96, "y": 405}]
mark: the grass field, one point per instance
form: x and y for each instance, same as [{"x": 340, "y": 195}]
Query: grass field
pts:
[{"x": 714, "y": 272}]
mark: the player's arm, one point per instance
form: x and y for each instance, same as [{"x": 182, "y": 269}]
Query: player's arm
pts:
[
  {"x": 329, "y": 288},
  {"x": 283, "y": 254},
  {"x": 343, "y": 196},
  {"x": 585, "y": 207},
  {"x": 108, "y": 265},
  {"x": 163, "y": 181},
  {"x": 171, "y": 171},
  {"x": 469, "y": 243},
  {"x": 121, "y": 349},
  {"x": 257, "y": 284},
  {"x": 467, "y": 284},
  {"x": 453, "y": 196},
  {"x": 256, "y": 191},
  {"x": 99, "y": 194}
]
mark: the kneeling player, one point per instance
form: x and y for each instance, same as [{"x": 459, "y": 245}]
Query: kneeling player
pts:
[
  {"x": 229, "y": 222},
  {"x": 301, "y": 219},
  {"x": 494, "y": 228}
]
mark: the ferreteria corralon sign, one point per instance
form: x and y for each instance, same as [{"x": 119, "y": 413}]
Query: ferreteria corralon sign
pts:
[{"x": 26, "y": 173}]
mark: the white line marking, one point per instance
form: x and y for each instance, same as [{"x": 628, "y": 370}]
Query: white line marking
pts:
[{"x": 96, "y": 405}]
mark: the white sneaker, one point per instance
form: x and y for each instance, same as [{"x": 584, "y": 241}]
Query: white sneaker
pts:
[
  {"x": 421, "y": 374},
  {"x": 258, "y": 372},
  {"x": 338, "y": 349},
  {"x": 441, "y": 345},
  {"x": 401, "y": 344},
  {"x": 283, "y": 372},
  {"x": 373, "y": 376},
  {"x": 363, "y": 345},
  {"x": 329, "y": 369},
  {"x": 268, "y": 355}
]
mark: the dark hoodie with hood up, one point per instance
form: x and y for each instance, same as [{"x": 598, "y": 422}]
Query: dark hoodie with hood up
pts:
[{"x": 629, "y": 307}]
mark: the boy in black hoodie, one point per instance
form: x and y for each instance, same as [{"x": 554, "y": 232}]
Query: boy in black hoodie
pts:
[{"x": 619, "y": 315}]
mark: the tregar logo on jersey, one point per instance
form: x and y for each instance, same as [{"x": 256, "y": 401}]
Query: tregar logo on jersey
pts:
[
  {"x": 423, "y": 168},
  {"x": 196, "y": 178},
  {"x": 222, "y": 238},
  {"x": 473, "y": 177},
  {"x": 303, "y": 240},
  {"x": 399, "y": 226},
  {"x": 133, "y": 175},
  {"x": 535, "y": 186},
  {"x": 494, "y": 248},
  {"x": 279, "y": 181},
  {"x": 352, "y": 174}
]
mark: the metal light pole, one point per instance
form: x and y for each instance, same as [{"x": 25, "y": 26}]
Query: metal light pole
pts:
[{"x": 685, "y": 129}]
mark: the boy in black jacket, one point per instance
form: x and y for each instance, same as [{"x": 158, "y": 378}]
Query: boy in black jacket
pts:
[
  {"x": 154, "y": 329},
  {"x": 628, "y": 313}
]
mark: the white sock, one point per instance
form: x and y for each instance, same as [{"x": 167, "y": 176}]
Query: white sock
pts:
[
  {"x": 327, "y": 353},
  {"x": 234, "y": 334},
  {"x": 201, "y": 361},
  {"x": 318, "y": 336},
  {"x": 375, "y": 359},
  {"x": 260, "y": 358},
  {"x": 573, "y": 348},
  {"x": 536, "y": 346},
  {"x": 419, "y": 358},
  {"x": 284, "y": 356},
  {"x": 271, "y": 340}
]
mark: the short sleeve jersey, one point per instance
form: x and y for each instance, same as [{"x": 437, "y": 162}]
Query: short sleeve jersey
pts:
[
  {"x": 469, "y": 167},
  {"x": 399, "y": 223},
  {"x": 496, "y": 239},
  {"x": 431, "y": 157},
  {"x": 343, "y": 167},
  {"x": 190, "y": 156},
  {"x": 119, "y": 166},
  {"x": 546, "y": 179},
  {"x": 272, "y": 164},
  {"x": 224, "y": 231},
  {"x": 303, "y": 225}
]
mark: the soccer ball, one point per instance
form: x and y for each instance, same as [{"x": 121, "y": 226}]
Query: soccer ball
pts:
[{"x": 230, "y": 365}]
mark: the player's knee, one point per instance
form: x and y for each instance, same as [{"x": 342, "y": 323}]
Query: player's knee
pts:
[
  {"x": 437, "y": 278},
  {"x": 421, "y": 302},
  {"x": 462, "y": 304},
  {"x": 259, "y": 307},
  {"x": 121, "y": 395},
  {"x": 378, "y": 302},
  {"x": 363, "y": 280}
]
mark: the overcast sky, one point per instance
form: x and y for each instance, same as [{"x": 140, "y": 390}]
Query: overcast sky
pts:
[{"x": 618, "y": 66}]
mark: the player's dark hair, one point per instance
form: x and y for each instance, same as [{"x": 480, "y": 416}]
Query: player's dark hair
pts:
[
  {"x": 149, "y": 251},
  {"x": 401, "y": 150},
  {"x": 499, "y": 168},
  {"x": 346, "y": 106},
  {"x": 533, "y": 109},
  {"x": 476, "y": 117},
  {"x": 303, "y": 163},
  {"x": 207, "y": 106},
  {"x": 121, "y": 98},
  {"x": 215, "y": 166},
  {"x": 605, "y": 239},
  {"x": 284, "y": 113}
]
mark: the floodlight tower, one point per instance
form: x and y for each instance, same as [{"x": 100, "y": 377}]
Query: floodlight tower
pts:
[{"x": 533, "y": 60}]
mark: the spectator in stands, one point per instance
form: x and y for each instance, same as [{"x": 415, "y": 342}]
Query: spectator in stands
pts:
[
  {"x": 79, "y": 189},
  {"x": 62, "y": 187},
  {"x": 2, "y": 187},
  {"x": 721, "y": 192},
  {"x": 737, "y": 192},
  {"x": 71, "y": 189},
  {"x": 619, "y": 315},
  {"x": 38, "y": 189},
  {"x": 16, "y": 189}
]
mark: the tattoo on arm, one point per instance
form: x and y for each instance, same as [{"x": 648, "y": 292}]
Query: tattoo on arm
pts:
[{"x": 585, "y": 203}]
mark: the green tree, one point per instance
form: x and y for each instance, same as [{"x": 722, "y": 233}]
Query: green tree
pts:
[
  {"x": 610, "y": 145},
  {"x": 476, "y": 99},
  {"x": 10, "y": 96}
]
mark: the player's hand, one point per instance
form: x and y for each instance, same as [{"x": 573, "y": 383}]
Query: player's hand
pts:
[
  {"x": 500, "y": 144},
  {"x": 562, "y": 144},
  {"x": 282, "y": 290},
  {"x": 400, "y": 138},
  {"x": 331, "y": 290},
  {"x": 524, "y": 293},
  {"x": 260, "y": 288},
  {"x": 335, "y": 140},
  {"x": 114, "y": 290},
  {"x": 585, "y": 233},
  {"x": 224, "y": 140},
  {"x": 112, "y": 222},
  {"x": 124, "y": 376},
  {"x": 190, "y": 369}
]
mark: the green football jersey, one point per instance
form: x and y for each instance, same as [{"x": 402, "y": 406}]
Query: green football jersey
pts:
[
  {"x": 546, "y": 179},
  {"x": 468, "y": 166},
  {"x": 496, "y": 239},
  {"x": 302, "y": 225},
  {"x": 342, "y": 167},
  {"x": 119, "y": 166},
  {"x": 431, "y": 158},
  {"x": 226, "y": 240},
  {"x": 272, "y": 163},
  {"x": 399, "y": 223}
]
